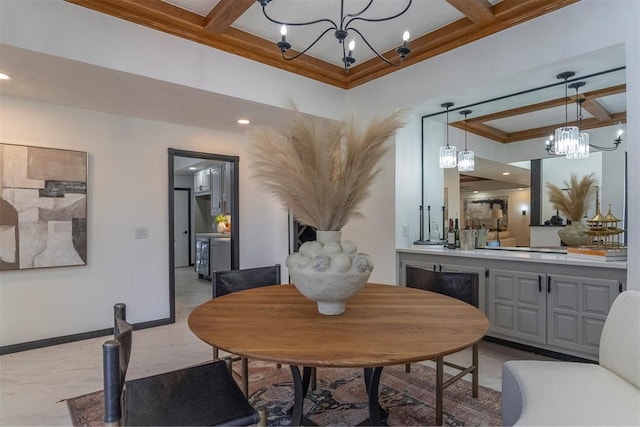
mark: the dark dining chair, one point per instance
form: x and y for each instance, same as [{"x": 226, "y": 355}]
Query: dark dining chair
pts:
[
  {"x": 462, "y": 286},
  {"x": 230, "y": 281},
  {"x": 199, "y": 395}
]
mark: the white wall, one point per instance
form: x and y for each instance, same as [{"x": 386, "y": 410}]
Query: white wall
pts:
[{"x": 127, "y": 189}]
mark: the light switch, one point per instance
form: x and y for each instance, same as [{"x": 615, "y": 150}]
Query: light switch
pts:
[
  {"x": 142, "y": 232},
  {"x": 405, "y": 230}
]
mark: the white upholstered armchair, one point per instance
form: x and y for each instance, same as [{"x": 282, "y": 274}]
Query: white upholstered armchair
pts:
[{"x": 572, "y": 393}]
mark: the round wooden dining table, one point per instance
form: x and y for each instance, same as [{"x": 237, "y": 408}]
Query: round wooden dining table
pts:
[{"x": 383, "y": 325}]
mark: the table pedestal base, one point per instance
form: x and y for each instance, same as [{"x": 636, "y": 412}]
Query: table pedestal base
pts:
[{"x": 377, "y": 415}]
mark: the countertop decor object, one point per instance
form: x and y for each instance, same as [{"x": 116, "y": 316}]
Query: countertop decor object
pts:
[
  {"x": 572, "y": 202},
  {"x": 321, "y": 170}
]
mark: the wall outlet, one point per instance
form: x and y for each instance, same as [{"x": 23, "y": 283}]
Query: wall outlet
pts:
[{"x": 141, "y": 232}]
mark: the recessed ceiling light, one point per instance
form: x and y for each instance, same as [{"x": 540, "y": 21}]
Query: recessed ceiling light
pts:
[
  {"x": 243, "y": 121},
  {"x": 520, "y": 189},
  {"x": 4, "y": 76},
  {"x": 192, "y": 168},
  {"x": 505, "y": 173},
  {"x": 475, "y": 191}
]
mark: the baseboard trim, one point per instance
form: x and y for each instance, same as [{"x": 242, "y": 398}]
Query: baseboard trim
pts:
[
  {"x": 48, "y": 342},
  {"x": 536, "y": 350}
]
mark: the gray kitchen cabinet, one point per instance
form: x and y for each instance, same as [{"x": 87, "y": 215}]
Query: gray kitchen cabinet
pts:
[
  {"x": 576, "y": 310},
  {"x": 517, "y": 305},
  {"x": 202, "y": 182},
  {"x": 217, "y": 189},
  {"x": 549, "y": 301}
]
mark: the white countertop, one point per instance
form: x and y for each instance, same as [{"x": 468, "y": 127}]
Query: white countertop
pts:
[
  {"x": 513, "y": 255},
  {"x": 213, "y": 234}
]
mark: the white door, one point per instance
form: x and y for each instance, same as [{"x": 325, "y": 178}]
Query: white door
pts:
[{"x": 181, "y": 227}]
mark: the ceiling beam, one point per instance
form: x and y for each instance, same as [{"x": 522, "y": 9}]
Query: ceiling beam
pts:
[
  {"x": 545, "y": 131},
  {"x": 173, "y": 20},
  {"x": 478, "y": 11},
  {"x": 225, "y": 13},
  {"x": 596, "y": 109},
  {"x": 161, "y": 16},
  {"x": 558, "y": 102},
  {"x": 484, "y": 130},
  {"x": 508, "y": 13}
]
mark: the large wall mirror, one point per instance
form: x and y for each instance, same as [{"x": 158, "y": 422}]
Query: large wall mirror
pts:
[{"x": 507, "y": 130}]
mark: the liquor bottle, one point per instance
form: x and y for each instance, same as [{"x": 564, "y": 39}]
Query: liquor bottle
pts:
[
  {"x": 451, "y": 235},
  {"x": 456, "y": 234}
]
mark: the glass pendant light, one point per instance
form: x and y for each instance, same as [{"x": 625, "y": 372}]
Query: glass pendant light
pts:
[
  {"x": 566, "y": 138},
  {"x": 448, "y": 153},
  {"x": 581, "y": 150},
  {"x": 466, "y": 161}
]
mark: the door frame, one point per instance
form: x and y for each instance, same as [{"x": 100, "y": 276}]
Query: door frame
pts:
[
  {"x": 189, "y": 230},
  {"x": 234, "y": 212}
]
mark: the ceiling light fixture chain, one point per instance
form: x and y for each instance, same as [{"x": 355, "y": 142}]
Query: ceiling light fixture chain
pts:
[
  {"x": 341, "y": 32},
  {"x": 466, "y": 158}
]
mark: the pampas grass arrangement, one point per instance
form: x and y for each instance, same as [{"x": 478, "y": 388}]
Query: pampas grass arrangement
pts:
[
  {"x": 574, "y": 202},
  {"x": 321, "y": 170}
]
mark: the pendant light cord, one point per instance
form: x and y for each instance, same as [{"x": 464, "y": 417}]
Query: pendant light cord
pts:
[
  {"x": 465, "y": 132},
  {"x": 447, "y": 126}
]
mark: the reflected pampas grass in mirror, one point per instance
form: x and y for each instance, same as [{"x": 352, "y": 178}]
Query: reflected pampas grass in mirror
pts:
[
  {"x": 321, "y": 170},
  {"x": 573, "y": 201}
]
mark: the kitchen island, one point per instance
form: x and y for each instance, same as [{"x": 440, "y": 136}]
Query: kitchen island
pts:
[
  {"x": 213, "y": 253},
  {"x": 538, "y": 297}
]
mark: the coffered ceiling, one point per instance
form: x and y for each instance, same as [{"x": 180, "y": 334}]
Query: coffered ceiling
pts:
[{"x": 239, "y": 27}]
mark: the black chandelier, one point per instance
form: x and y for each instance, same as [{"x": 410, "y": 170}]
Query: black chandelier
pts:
[{"x": 341, "y": 32}]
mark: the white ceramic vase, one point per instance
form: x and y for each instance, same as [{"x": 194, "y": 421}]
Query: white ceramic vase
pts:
[
  {"x": 574, "y": 234},
  {"x": 329, "y": 271}
]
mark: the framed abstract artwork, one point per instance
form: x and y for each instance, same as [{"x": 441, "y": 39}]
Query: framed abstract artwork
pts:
[
  {"x": 43, "y": 207},
  {"x": 487, "y": 212}
]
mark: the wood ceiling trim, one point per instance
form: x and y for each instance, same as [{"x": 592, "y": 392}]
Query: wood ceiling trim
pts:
[
  {"x": 479, "y": 11},
  {"x": 484, "y": 130},
  {"x": 544, "y": 132},
  {"x": 456, "y": 34},
  {"x": 596, "y": 109},
  {"x": 179, "y": 22},
  {"x": 155, "y": 14},
  {"x": 220, "y": 18},
  {"x": 558, "y": 102}
]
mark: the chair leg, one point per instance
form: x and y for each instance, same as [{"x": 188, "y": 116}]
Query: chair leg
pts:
[
  {"x": 475, "y": 373},
  {"x": 215, "y": 353},
  {"x": 407, "y": 368},
  {"x": 245, "y": 376},
  {"x": 313, "y": 378},
  {"x": 262, "y": 421},
  {"x": 439, "y": 389}
]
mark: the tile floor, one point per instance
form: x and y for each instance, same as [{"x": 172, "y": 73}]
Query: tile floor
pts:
[{"x": 34, "y": 384}]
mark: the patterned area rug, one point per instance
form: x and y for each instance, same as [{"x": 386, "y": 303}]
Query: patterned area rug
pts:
[{"x": 341, "y": 400}]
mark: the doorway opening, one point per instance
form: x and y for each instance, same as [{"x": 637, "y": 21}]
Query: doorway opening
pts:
[{"x": 184, "y": 187}]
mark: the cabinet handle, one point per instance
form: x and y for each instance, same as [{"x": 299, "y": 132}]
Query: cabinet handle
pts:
[
  {"x": 539, "y": 283},
  {"x": 434, "y": 267},
  {"x": 440, "y": 267},
  {"x": 548, "y": 284}
]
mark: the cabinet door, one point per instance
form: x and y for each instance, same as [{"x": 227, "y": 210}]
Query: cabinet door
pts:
[
  {"x": 482, "y": 281},
  {"x": 202, "y": 182},
  {"x": 577, "y": 309},
  {"x": 216, "y": 190},
  {"x": 517, "y": 305}
]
